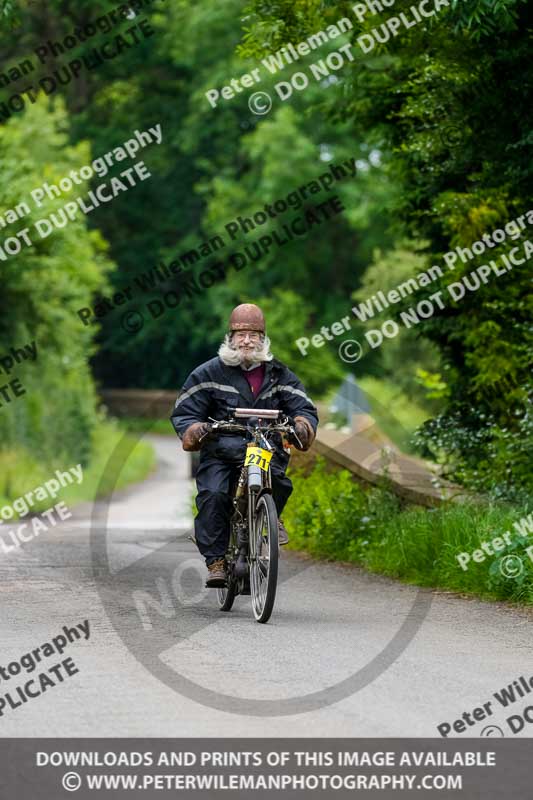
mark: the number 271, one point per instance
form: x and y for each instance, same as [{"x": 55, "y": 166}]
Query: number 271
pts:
[{"x": 257, "y": 459}]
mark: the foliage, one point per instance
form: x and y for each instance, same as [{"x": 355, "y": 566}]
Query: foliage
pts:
[
  {"x": 312, "y": 516},
  {"x": 159, "y": 427},
  {"x": 214, "y": 164},
  {"x": 432, "y": 381},
  {"x": 288, "y": 319},
  {"x": 8, "y": 13},
  {"x": 408, "y": 348},
  {"x": 21, "y": 472},
  {"x": 478, "y": 452},
  {"x": 43, "y": 286},
  {"x": 429, "y": 97},
  {"x": 331, "y": 517},
  {"x": 396, "y": 414},
  {"x": 436, "y": 168}
]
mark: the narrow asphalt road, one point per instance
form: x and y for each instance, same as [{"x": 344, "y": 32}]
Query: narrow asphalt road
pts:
[{"x": 345, "y": 653}]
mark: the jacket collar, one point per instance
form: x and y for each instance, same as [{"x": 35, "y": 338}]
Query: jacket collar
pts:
[{"x": 237, "y": 377}]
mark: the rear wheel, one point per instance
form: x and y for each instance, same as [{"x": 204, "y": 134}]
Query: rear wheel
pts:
[
  {"x": 264, "y": 558},
  {"x": 227, "y": 596}
]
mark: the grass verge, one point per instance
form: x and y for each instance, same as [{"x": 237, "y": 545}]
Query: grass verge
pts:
[
  {"x": 331, "y": 516},
  {"x": 20, "y": 472},
  {"x": 162, "y": 427}
]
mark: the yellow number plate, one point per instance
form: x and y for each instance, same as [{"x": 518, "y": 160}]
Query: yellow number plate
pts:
[{"x": 258, "y": 457}]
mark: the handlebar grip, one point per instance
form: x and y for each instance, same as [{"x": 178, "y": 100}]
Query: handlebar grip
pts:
[
  {"x": 298, "y": 440},
  {"x": 209, "y": 429}
]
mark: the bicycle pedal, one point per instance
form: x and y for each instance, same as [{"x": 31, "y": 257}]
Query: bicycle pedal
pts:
[{"x": 218, "y": 585}]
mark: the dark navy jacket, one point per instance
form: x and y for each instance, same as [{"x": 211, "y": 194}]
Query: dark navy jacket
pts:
[{"x": 213, "y": 389}]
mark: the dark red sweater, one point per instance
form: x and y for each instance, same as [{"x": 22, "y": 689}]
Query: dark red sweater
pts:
[{"x": 255, "y": 378}]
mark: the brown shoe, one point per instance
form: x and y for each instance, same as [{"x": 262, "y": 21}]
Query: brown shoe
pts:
[
  {"x": 216, "y": 574},
  {"x": 283, "y": 536}
]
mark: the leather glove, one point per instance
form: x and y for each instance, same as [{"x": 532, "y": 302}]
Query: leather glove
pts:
[
  {"x": 304, "y": 431},
  {"x": 193, "y": 434}
]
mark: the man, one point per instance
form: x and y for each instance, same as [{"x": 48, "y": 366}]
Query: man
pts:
[{"x": 244, "y": 374}]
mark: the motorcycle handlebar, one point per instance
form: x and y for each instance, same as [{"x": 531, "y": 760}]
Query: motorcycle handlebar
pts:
[
  {"x": 231, "y": 426},
  {"x": 216, "y": 425}
]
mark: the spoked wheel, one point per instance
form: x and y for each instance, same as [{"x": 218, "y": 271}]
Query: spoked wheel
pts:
[
  {"x": 227, "y": 595},
  {"x": 264, "y": 558}
]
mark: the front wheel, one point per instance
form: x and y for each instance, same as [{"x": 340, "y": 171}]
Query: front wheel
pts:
[{"x": 264, "y": 558}]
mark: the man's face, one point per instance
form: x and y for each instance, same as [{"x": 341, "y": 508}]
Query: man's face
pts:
[{"x": 246, "y": 342}]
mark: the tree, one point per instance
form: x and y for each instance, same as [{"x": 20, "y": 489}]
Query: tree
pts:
[
  {"x": 450, "y": 102},
  {"x": 42, "y": 288}
]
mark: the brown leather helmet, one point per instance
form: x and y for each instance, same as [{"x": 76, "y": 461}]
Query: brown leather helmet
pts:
[{"x": 247, "y": 317}]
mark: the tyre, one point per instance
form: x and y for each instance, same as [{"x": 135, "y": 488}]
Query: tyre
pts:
[
  {"x": 226, "y": 596},
  {"x": 264, "y": 558}
]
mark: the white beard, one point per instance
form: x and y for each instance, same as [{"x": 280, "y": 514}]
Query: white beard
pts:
[{"x": 232, "y": 356}]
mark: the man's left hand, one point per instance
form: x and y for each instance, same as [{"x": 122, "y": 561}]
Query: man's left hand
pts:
[{"x": 304, "y": 431}]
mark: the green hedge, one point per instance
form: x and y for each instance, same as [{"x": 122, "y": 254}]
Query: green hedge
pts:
[
  {"x": 21, "y": 472},
  {"x": 330, "y": 516},
  {"x": 42, "y": 288}
]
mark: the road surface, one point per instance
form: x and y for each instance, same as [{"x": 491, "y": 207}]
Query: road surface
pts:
[{"x": 139, "y": 582}]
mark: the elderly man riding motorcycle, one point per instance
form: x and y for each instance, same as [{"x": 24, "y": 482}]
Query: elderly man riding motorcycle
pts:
[{"x": 244, "y": 374}]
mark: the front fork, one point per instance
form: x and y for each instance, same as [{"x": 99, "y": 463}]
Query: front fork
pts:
[
  {"x": 259, "y": 483},
  {"x": 254, "y": 479},
  {"x": 244, "y": 499}
]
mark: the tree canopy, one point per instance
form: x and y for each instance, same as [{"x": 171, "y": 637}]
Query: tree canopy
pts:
[{"x": 437, "y": 122}]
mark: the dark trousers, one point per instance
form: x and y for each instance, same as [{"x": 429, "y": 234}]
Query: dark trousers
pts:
[{"x": 215, "y": 479}]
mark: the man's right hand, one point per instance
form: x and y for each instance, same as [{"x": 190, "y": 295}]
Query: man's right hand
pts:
[{"x": 193, "y": 435}]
